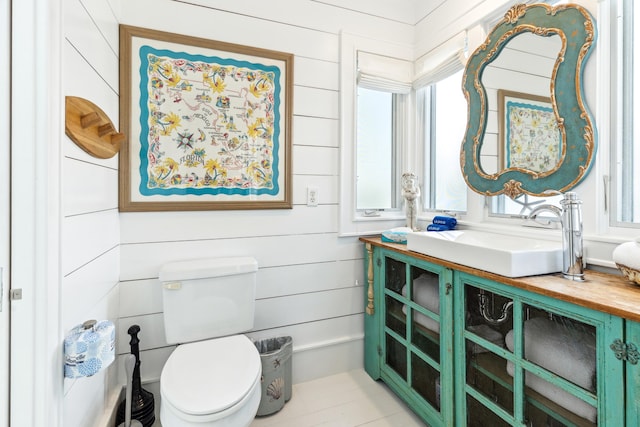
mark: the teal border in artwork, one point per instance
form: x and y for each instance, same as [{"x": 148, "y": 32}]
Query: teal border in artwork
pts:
[
  {"x": 576, "y": 28},
  {"x": 509, "y": 105},
  {"x": 144, "y": 125}
]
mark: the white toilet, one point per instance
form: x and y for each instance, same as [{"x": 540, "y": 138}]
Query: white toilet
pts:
[{"x": 212, "y": 378}]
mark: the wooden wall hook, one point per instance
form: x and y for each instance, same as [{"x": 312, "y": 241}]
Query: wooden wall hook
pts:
[{"x": 91, "y": 129}]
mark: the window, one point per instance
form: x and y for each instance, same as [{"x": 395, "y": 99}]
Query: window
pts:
[
  {"x": 375, "y": 82},
  {"x": 443, "y": 111},
  {"x": 625, "y": 157},
  {"x": 377, "y": 139}
]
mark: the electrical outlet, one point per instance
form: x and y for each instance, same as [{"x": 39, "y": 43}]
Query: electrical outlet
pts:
[{"x": 312, "y": 196}]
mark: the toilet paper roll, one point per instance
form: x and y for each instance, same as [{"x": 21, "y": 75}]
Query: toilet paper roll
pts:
[{"x": 89, "y": 348}]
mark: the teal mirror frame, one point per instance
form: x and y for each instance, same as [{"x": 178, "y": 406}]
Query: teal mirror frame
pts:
[{"x": 576, "y": 29}]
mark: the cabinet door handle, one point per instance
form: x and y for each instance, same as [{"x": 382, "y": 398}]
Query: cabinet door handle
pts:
[
  {"x": 632, "y": 354},
  {"x": 448, "y": 288},
  {"x": 624, "y": 351}
]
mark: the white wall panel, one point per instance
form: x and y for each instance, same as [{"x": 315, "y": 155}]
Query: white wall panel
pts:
[
  {"x": 315, "y": 131},
  {"x": 217, "y": 24},
  {"x": 90, "y": 229},
  {"x": 452, "y": 17},
  {"x": 270, "y": 313},
  {"x": 327, "y": 189},
  {"x": 277, "y": 312},
  {"x": 86, "y": 237},
  {"x": 316, "y": 73},
  {"x": 82, "y": 33},
  {"x": 87, "y": 83},
  {"x": 181, "y": 226},
  {"x": 327, "y": 17},
  {"x": 151, "y": 363},
  {"x": 80, "y": 191},
  {"x": 143, "y": 260},
  {"x": 306, "y": 336},
  {"x": 85, "y": 288},
  {"x": 140, "y": 297},
  {"x": 308, "y": 101},
  {"x": 85, "y": 401},
  {"x": 327, "y": 360},
  {"x": 103, "y": 16},
  {"x": 305, "y": 278},
  {"x": 315, "y": 160},
  {"x": 151, "y": 333},
  {"x": 319, "y": 349}
]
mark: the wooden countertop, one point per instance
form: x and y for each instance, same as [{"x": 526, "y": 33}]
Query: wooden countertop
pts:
[{"x": 600, "y": 291}]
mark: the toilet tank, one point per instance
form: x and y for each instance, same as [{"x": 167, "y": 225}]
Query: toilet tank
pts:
[{"x": 208, "y": 298}]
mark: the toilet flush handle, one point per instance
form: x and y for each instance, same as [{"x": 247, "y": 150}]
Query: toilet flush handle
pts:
[{"x": 173, "y": 286}]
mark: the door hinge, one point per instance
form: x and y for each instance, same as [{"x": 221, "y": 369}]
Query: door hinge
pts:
[
  {"x": 624, "y": 351},
  {"x": 15, "y": 294},
  {"x": 379, "y": 351}
]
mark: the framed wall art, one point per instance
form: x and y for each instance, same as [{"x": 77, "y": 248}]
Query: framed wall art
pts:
[
  {"x": 529, "y": 136},
  {"x": 207, "y": 124}
]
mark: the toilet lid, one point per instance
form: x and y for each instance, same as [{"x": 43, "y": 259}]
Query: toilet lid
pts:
[{"x": 210, "y": 376}]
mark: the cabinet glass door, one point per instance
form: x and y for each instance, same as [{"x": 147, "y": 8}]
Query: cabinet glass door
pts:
[
  {"x": 529, "y": 363},
  {"x": 413, "y": 340}
]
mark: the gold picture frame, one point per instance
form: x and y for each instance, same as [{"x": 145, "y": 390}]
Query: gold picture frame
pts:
[
  {"x": 528, "y": 133},
  {"x": 207, "y": 124}
]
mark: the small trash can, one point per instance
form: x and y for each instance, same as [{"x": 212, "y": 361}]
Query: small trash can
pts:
[{"x": 275, "y": 355}]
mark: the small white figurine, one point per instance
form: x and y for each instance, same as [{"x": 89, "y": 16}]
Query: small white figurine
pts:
[{"x": 411, "y": 192}]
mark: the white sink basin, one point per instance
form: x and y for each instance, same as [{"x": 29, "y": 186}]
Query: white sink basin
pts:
[{"x": 509, "y": 256}]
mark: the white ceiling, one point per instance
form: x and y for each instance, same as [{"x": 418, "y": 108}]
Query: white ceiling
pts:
[{"x": 406, "y": 11}]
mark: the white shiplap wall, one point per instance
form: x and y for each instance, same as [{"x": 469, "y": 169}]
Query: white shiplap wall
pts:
[
  {"x": 91, "y": 224},
  {"x": 307, "y": 276}
]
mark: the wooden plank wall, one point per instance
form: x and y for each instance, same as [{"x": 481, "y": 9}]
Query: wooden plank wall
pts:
[
  {"x": 91, "y": 224},
  {"x": 308, "y": 275}
]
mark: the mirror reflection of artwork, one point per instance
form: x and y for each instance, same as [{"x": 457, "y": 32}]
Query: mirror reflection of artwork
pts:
[
  {"x": 574, "y": 28},
  {"x": 530, "y": 137}
]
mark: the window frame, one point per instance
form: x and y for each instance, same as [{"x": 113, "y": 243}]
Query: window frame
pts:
[
  {"x": 350, "y": 222},
  {"x": 622, "y": 121},
  {"x": 399, "y": 141},
  {"x": 425, "y": 108}
]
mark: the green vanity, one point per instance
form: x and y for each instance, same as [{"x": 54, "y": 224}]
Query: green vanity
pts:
[{"x": 464, "y": 347}]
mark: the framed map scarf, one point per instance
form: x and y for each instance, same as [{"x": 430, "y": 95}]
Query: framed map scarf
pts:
[
  {"x": 207, "y": 124},
  {"x": 529, "y": 134}
]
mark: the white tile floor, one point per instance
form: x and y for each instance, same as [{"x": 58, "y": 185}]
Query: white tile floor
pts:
[{"x": 348, "y": 399}]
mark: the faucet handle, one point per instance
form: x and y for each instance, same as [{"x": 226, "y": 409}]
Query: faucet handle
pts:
[{"x": 570, "y": 199}]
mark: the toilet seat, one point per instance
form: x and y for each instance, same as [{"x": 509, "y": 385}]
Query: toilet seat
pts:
[{"x": 205, "y": 378}]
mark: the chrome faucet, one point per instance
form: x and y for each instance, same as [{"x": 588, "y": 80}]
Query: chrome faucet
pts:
[{"x": 571, "y": 221}]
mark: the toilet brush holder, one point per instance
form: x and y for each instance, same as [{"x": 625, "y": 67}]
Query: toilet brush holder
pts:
[
  {"x": 129, "y": 364},
  {"x": 142, "y": 402}
]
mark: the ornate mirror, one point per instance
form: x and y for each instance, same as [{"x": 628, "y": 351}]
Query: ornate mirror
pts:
[{"x": 529, "y": 130}]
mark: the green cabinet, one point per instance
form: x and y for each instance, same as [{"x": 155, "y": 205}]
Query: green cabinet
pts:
[
  {"x": 631, "y": 356},
  {"x": 408, "y": 332},
  {"x": 464, "y": 350},
  {"x": 526, "y": 359}
]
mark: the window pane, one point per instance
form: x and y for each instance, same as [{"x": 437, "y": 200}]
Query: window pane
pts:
[
  {"x": 374, "y": 151},
  {"x": 628, "y": 159},
  {"x": 447, "y": 116},
  {"x": 522, "y": 205}
]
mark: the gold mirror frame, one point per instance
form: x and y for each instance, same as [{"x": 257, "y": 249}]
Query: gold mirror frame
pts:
[{"x": 575, "y": 27}]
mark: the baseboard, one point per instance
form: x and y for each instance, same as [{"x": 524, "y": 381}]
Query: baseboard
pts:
[
  {"x": 108, "y": 419},
  {"x": 309, "y": 362}
]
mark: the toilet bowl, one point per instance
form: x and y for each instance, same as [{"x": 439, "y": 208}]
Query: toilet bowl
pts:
[
  {"x": 212, "y": 383},
  {"x": 212, "y": 378}
]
